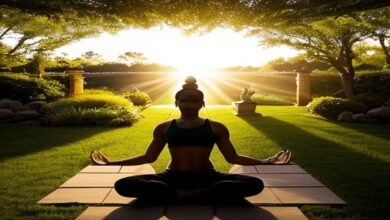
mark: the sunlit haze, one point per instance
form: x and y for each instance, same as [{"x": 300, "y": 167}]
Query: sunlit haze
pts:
[{"x": 188, "y": 53}]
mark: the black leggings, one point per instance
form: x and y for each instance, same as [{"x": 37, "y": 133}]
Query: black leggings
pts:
[{"x": 165, "y": 185}]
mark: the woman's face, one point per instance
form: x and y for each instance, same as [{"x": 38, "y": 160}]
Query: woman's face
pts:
[{"x": 190, "y": 102}]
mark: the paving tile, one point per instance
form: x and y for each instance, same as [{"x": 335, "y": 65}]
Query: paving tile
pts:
[
  {"x": 260, "y": 213},
  {"x": 307, "y": 195},
  {"x": 100, "y": 169},
  {"x": 287, "y": 180},
  {"x": 124, "y": 212},
  {"x": 114, "y": 198},
  {"x": 265, "y": 197},
  {"x": 189, "y": 212},
  {"x": 279, "y": 169},
  {"x": 76, "y": 195},
  {"x": 94, "y": 179},
  {"x": 242, "y": 169},
  {"x": 141, "y": 169}
]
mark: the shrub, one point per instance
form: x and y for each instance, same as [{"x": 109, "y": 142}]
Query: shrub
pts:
[
  {"x": 90, "y": 101},
  {"x": 100, "y": 91},
  {"x": 138, "y": 98},
  {"x": 92, "y": 109},
  {"x": 109, "y": 116},
  {"x": 371, "y": 100},
  {"x": 61, "y": 78},
  {"x": 374, "y": 83},
  {"x": 26, "y": 89},
  {"x": 261, "y": 99},
  {"x": 331, "y": 107}
]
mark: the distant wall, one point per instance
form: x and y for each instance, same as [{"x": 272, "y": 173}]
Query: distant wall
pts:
[{"x": 231, "y": 84}]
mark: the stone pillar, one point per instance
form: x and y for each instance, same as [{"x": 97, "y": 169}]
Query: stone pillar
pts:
[
  {"x": 303, "y": 89},
  {"x": 76, "y": 82}
]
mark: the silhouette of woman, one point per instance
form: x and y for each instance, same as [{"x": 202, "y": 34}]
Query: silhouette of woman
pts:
[{"x": 190, "y": 173}]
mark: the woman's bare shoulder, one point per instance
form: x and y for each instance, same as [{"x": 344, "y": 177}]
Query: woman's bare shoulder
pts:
[
  {"x": 162, "y": 127},
  {"x": 217, "y": 126}
]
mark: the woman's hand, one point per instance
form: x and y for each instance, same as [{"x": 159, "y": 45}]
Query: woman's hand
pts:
[
  {"x": 280, "y": 158},
  {"x": 98, "y": 158}
]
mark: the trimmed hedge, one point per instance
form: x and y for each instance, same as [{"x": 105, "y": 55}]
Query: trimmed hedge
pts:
[
  {"x": 27, "y": 89},
  {"x": 261, "y": 99},
  {"x": 331, "y": 107}
]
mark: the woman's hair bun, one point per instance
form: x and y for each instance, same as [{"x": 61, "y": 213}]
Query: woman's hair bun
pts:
[{"x": 190, "y": 83}]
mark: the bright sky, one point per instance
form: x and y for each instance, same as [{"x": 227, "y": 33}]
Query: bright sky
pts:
[{"x": 168, "y": 46}]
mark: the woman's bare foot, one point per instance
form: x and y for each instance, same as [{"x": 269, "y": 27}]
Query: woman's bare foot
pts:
[{"x": 98, "y": 158}]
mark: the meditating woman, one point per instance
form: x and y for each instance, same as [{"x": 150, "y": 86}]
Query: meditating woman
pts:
[{"x": 190, "y": 141}]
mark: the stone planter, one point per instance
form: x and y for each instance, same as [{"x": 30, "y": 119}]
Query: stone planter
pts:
[{"x": 244, "y": 108}]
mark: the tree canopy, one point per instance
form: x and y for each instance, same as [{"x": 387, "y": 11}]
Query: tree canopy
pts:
[{"x": 194, "y": 13}]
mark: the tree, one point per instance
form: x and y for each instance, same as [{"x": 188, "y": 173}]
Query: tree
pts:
[
  {"x": 132, "y": 57},
  {"x": 298, "y": 63},
  {"x": 330, "y": 40},
  {"x": 36, "y": 34},
  {"x": 194, "y": 14},
  {"x": 380, "y": 28},
  {"x": 92, "y": 57},
  {"x": 369, "y": 57}
]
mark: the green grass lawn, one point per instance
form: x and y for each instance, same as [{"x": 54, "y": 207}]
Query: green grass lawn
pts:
[{"x": 351, "y": 159}]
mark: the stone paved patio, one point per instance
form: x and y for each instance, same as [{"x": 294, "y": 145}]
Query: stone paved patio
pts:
[{"x": 285, "y": 185}]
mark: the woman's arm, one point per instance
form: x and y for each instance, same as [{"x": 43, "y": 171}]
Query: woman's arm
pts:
[
  {"x": 150, "y": 156},
  {"x": 231, "y": 156}
]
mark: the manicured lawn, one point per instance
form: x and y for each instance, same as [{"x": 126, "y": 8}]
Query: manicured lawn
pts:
[{"x": 351, "y": 159}]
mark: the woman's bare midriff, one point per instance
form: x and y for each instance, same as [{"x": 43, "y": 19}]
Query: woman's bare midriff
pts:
[{"x": 189, "y": 159}]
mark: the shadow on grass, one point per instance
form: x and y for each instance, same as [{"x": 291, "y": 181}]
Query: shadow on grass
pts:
[
  {"x": 19, "y": 140},
  {"x": 379, "y": 130},
  {"x": 359, "y": 179}
]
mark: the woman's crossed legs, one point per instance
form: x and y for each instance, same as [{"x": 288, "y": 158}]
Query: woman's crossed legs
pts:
[{"x": 170, "y": 185}]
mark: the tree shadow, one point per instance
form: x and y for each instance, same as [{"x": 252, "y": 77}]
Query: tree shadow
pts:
[
  {"x": 380, "y": 130},
  {"x": 354, "y": 176},
  {"x": 19, "y": 140}
]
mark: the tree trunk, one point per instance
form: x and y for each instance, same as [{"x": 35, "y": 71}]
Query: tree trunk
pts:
[
  {"x": 346, "y": 77},
  {"x": 383, "y": 45},
  {"x": 347, "y": 81}
]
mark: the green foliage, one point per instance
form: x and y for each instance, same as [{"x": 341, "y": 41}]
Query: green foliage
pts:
[
  {"x": 371, "y": 100},
  {"x": 95, "y": 109},
  {"x": 36, "y": 34},
  {"x": 298, "y": 63},
  {"x": 61, "y": 78},
  {"x": 246, "y": 94},
  {"x": 201, "y": 14},
  {"x": 107, "y": 116},
  {"x": 27, "y": 89},
  {"x": 331, "y": 107},
  {"x": 376, "y": 83},
  {"x": 99, "y": 91},
  {"x": 15, "y": 106},
  {"x": 138, "y": 98},
  {"x": 91, "y": 101},
  {"x": 261, "y": 99},
  {"x": 369, "y": 57}
]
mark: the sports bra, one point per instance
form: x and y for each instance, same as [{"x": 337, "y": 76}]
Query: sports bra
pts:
[{"x": 201, "y": 136}]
